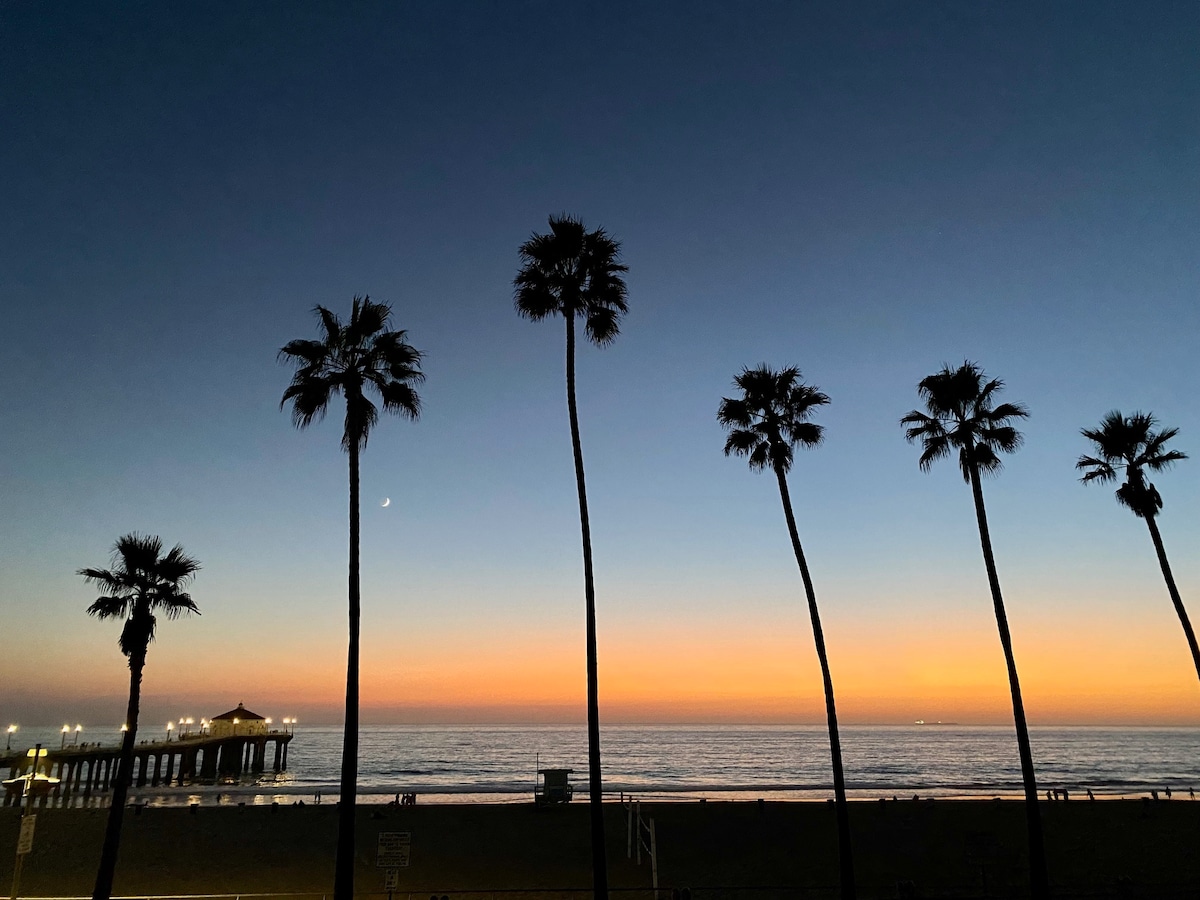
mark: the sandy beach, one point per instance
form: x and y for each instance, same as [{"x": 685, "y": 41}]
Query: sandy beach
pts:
[{"x": 943, "y": 848}]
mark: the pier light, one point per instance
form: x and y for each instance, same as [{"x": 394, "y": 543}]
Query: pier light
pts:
[
  {"x": 12, "y": 729},
  {"x": 124, "y": 728},
  {"x": 78, "y": 728},
  {"x": 190, "y": 722},
  {"x": 66, "y": 729},
  {"x": 170, "y": 727}
]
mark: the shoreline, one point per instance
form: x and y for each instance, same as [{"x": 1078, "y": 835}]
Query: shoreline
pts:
[{"x": 228, "y": 795}]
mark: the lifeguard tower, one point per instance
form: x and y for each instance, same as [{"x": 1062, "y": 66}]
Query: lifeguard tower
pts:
[{"x": 555, "y": 787}]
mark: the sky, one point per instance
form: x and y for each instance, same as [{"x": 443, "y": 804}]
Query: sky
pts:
[{"x": 866, "y": 191}]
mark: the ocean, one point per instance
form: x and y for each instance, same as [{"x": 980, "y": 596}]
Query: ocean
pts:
[{"x": 498, "y": 763}]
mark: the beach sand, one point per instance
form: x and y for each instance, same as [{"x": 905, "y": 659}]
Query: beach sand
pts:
[{"x": 944, "y": 848}]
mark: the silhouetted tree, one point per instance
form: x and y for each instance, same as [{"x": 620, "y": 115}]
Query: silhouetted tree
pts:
[
  {"x": 142, "y": 585},
  {"x": 353, "y": 359},
  {"x": 1132, "y": 444},
  {"x": 573, "y": 272},
  {"x": 960, "y": 416},
  {"x": 765, "y": 424}
]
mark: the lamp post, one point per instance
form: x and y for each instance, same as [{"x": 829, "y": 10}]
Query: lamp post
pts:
[
  {"x": 190, "y": 722},
  {"x": 78, "y": 728},
  {"x": 66, "y": 729},
  {"x": 170, "y": 727},
  {"x": 11, "y": 731}
]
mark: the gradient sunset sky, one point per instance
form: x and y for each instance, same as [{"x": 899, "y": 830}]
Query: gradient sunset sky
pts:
[{"x": 866, "y": 191}]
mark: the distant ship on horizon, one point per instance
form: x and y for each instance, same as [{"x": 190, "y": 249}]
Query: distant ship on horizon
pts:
[{"x": 938, "y": 722}]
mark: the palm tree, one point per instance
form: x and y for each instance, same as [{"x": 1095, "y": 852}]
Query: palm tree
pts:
[
  {"x": 766, "y": 423},
  {"x": 959, "y": 415},
  {"x": 573, "y": 272},
  {"x": 1132, "y": 444},
  {"x": 142, "y": 585},
  {"x": 352, "y": 359}
]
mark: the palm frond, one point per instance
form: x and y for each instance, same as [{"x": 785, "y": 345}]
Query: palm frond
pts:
[
  {"x": 362, "y": 354},
  {"x": 760, "y": 456},
  {"x": 1161, "y": 461},
  {"x": 602, "y": 325},
  {"x": 143, "y": 579},
  {"x": 961, "y": 415},
  {"x": 741, "y": 442},
  {"x": 367, "y": 320},
  {"x": 331, "y": 326},
  {"x": 109, "y": 607},
  {"x": 771, "y": 416},
  {"x": 934, "y": 450},
  {"x": 734, "y": 413},
  {"x": 400, "y": 398},
  {"x": 1100, "y": 470},
  {"x": 310, "y": 399},
  {"x": 570, "y": 272},
  {"x": 1130, "y": 443}
]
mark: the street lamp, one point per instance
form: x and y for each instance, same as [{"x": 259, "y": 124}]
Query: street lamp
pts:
[
  {"x": 190, "y": 723},
  {"x": 66, "y": 729},
  {"x": 11, "y": 731},
  {"x": 78, "y": 728},
  {"x": 170, "y": 726}
]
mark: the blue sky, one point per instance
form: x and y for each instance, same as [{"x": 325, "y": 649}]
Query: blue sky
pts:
[{"x": 866, "y": 192}]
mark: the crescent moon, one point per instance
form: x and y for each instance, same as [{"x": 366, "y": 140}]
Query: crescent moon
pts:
[{"x": 387, "y": 501}]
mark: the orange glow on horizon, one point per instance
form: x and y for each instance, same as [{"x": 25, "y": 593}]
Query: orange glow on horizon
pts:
[{"x": 1116, "y": 669}]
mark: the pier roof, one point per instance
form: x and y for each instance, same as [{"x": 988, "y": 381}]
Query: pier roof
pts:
[{"x": 240, "y": 713}]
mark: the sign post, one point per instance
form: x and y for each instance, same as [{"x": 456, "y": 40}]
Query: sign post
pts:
[
  {"x": 393, "y": 854},
  {"x": 24, "y": 847}
]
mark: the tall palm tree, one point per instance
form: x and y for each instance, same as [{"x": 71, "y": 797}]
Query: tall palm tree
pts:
[
  {"x": 1132, "y": 444},
  {"x": 960, "y": 416},
  {"x": 142, "y": 585},
  {"x": 575, "y": 273},
  {"x": 765, "y": 424},
  {"x": 352, "y": 359}
]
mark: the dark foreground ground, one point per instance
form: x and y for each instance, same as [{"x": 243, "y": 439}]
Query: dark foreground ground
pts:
[{"x": 740, "y": 851}]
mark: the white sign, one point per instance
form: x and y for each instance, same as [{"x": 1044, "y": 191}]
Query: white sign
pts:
[
  {"x": 25, "y": 840},
  {"x": 393, "y": 850},
  {"x": 391, "y": 880}
]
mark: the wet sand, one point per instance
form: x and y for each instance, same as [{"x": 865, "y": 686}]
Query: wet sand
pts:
[{"x": 944, "y": 848}]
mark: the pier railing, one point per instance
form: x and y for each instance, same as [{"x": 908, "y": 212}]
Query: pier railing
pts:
[{"x": 92, "y": 768}]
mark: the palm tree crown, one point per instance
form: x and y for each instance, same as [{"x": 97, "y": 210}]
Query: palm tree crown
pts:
[
  {"x": 349, "y": 359},
  {"x": 771, "y": 417},
  {"x": 959, "y": 416},
  {"x": 141, "y": 583},
  {"x": 1132, "y": 444},
  {"x": 573, "y": 272}
]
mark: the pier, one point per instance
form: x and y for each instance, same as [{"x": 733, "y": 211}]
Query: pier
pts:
[{"x": 90, "y": 770}]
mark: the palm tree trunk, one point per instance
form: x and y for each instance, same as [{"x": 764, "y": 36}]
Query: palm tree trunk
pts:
[
  {"x": 343, "y": 871},
  {"x": 845, "y": 851},
  {"x": 116, "y": 810},
  {"x": 1039, "y": 881},
  {"x": 1174, "y": 591},
  {"x": 595, "y": 783}
]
